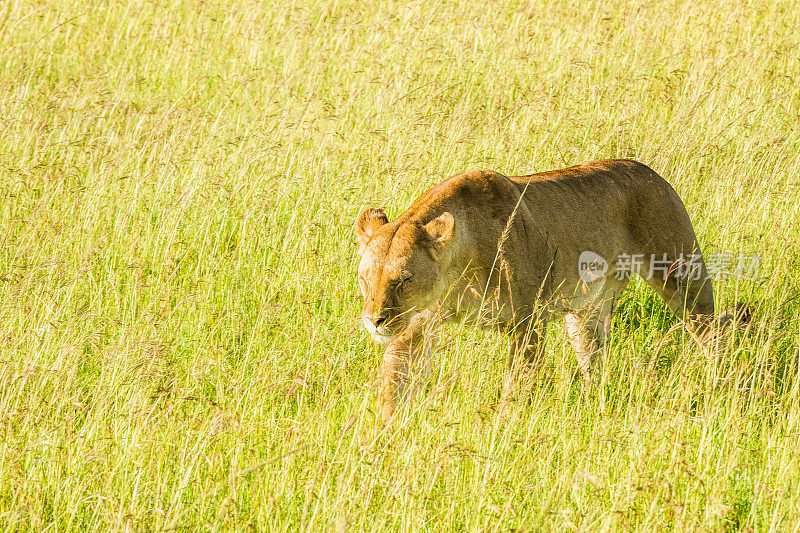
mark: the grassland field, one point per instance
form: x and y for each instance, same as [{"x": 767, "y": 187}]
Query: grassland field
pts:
[{"x": 180, "y": 347}]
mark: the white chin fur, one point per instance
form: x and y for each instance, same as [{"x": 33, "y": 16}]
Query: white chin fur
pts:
[{"x": 378, "y": 335}]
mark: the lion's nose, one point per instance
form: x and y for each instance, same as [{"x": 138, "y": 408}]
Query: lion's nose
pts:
[{"x": 380, "y": 319}]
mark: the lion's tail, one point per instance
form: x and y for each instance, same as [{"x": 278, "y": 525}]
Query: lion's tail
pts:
[
  {"x": 738, "y": 315},
  {"x": 709, "y": 329}
]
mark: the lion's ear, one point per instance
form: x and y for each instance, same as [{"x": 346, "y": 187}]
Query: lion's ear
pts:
[
  {"x": 367, "y": 224},
  {"x": 441, "y": 228}
]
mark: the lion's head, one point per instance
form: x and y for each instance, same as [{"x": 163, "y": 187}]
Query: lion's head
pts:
[{"x": 400, "y": 269}]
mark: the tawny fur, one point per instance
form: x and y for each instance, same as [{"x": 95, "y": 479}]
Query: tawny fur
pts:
[{"x": 503, "y": 252}]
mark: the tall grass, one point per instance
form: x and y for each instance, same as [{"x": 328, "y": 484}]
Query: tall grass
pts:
[{"x": 179, "y": 344}]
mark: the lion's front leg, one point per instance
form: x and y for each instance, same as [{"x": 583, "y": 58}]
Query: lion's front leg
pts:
[
  {"x": 525, "y": 355},
  {"x": 406, "y": 363},
  {"x": 587, "y": 333}
]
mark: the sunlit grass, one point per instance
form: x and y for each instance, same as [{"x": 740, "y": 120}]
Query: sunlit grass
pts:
[{"x": 179, "y": 343}]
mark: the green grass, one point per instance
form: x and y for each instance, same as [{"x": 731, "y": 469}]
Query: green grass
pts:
[{"x": 179, "y": 336}]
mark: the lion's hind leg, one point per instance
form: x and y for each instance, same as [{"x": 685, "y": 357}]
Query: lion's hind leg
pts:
[{"x": 688, "y": 291}]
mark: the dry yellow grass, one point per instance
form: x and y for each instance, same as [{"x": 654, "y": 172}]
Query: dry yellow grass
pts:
[{"x": 179, "y": 346}]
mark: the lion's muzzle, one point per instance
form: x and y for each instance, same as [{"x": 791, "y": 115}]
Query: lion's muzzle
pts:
[{"x": 377, "y": 328}]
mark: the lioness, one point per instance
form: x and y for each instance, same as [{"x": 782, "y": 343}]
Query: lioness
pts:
[{"x": 512, "y": 252}]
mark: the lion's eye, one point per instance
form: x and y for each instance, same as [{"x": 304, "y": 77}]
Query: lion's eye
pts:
[{"x": 401, "y": 281}]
